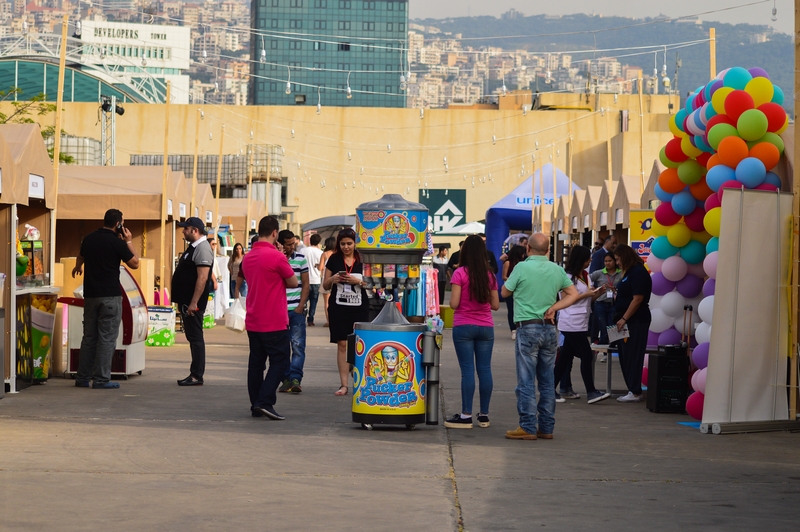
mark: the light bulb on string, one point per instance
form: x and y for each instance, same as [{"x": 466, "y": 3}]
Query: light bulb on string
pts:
[
  {"x": 349, "y": 91},
  {"x": 349, "y": 156},
  {"x": 319, "y": 99},
  {"x": 263, "y": 51},
  {"x": 774, "y": 11},
  {"x": 494, "y": 139},
  {"x": 446, "y": 191},
  {"x": 403, "y": 84},
  {"x": 293, "y": 133},
  {"x": 389, "y": 148},
  {"x": 362, "y": 171},
  {"x": 288, "y": 81},
  {"x": 421, "y": 114}
]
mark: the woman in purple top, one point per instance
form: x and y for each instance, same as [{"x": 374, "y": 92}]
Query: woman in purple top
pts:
[{"x": 473, "y": 298}]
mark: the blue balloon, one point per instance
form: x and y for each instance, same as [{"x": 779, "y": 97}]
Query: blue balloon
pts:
[
  {"x": 694, "y": 252},
  {"x": 777, "y": 95},
  {"x": 680, "y": 117},
  {"x": 683, "y": 203},
  {"x": 750, "y": 172},
  {"x": 702, "y": 144},
  {"x": 737, "y": 78},
  {"x": 772, "y": 179},
  {"x": 718, "y": 175},
  {"x": 701, "y": 204},
  {"x": 712, "y": 245},
  {"x": 661, "y": 195},
  {"x": 709, "y": 110},
  {"x": 698, "y": 121},
  {"x": 707, "y": 91},
  {"x": 662, "y": 249}
]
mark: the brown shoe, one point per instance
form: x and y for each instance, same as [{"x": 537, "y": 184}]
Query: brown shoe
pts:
[
  {"x": 519, "y": 434},
  {"x": 543, "y": 436}
]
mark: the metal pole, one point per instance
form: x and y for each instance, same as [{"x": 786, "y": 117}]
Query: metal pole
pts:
[
  {"x": 555, "y": 194},
  {"x": 641, "y": 138},
  {"x": 219, "y": 178},
  {"x": 541, "y": 197},
  {"x": 62, "y": 62},
  {"x": 269, "y": 174},
  {"x": 162, "y": 243},
  {"x": 795, "y": 231},
  {"x": 570, "y": 147},
  {"x": 608, "y": 149},
  {"x": 712, "y": 43},
  {"x": 249, "y": 193},
  {"x": 194, "y": 163}
]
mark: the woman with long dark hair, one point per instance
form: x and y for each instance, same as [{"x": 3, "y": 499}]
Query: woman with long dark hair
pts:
[
  {"x": 631, "y": 308},
  {"x": 473, "y": 297},
  {"x": 330, "y": 247},
  {"x": 348, "y": 302},
  {"x": 233, "y": 267},
  {"x": 515, "y": 255},
  {"x": 573, "y": 323}
]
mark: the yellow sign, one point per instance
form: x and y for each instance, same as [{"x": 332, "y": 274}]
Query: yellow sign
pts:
[{"x": 641, "y": 232}]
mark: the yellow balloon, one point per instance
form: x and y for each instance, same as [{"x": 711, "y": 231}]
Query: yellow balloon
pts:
[
  {"x": 679, "y": 235},
  {"x": 783, "y": 128},
  {"x": 702, "y": 237},
  {"x": 689, "y": 149},
  {"x": 673, "y": 127},
  {"x": 761, "y": 90},
  {"x": 657, "y": 228},
  {"x": 712, "y": 221},
  {"x": 718, "y": 99}
]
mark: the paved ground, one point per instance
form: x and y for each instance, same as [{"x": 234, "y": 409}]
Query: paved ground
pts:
[{"x": 153, "y": 456}]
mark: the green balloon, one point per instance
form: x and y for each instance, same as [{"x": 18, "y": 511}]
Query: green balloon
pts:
[
  {"x": 690, "y": 172},
  {"x": 665, "y": 160},
  {"x": 775, "y": 139},
  {"x": 752, "y": 124},
  {"x": 719, "y": 132}
]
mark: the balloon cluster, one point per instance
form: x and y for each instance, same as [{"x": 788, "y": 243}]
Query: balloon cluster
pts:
[{"x": 727, "y": 136}]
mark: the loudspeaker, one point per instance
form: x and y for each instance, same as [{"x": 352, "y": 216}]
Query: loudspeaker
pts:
[{"x": 668, "y": 380}]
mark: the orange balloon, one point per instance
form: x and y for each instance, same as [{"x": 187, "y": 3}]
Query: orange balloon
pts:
[
  {"x": 670, "y": 182},
  {"x": 767, "y": 153},
  {"x": 732, "y": 150},
  {"x": 700, "y": 190},
  {"x": 713, "y": 161}
]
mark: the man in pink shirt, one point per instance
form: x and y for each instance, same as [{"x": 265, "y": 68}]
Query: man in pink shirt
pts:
[{"x": 268, "y": 275}]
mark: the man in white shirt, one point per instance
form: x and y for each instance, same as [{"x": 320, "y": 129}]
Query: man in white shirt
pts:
[{"x": 313, "y": 254}]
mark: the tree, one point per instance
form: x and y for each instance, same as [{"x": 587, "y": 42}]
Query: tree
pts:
[{"x": 36, "y": 106}]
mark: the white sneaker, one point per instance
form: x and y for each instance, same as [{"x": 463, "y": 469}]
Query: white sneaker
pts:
[
  {"x": 514, "y": 335},
  {"x": 602, "y": 357},
  {"x": 630, "y": 398}
]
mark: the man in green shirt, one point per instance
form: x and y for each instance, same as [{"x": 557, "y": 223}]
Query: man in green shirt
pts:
[{"x": 535, "y": 284}]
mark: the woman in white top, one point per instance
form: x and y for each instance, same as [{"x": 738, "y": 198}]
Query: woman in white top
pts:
[{"x": 573, "y": 323}]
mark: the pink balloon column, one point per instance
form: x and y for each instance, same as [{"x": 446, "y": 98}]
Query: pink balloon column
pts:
[{"x": 727, "y": 136}]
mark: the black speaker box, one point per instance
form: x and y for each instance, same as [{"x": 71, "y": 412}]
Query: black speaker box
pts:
[{"x": 668, "y": 380}]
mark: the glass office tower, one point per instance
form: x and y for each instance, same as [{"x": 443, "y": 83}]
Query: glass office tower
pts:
[{"x": 316, "y": 45}]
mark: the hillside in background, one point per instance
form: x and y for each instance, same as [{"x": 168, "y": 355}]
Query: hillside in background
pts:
[{"x": 584, "y": 32}]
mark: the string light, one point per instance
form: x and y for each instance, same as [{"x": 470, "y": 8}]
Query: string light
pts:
[
  {"x": 349, "y": 91},
  {"x": 289, "y": 82},
  {"x": 774, "y": 11},
  {"x": 319, "y": 100},
  {"x": 263, "y": 51}
]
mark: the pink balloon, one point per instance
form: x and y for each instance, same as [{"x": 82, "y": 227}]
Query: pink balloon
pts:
[
  {"x": 699, "y": 380},
  {"x": 729, "y": 184},
  {"x": 697, "y": 270},
  {"x": 710, "y": 264},
  {"x": 645, "y": 374},
  {"x": 694, "y": 405},
  {"x": 694, "y": 221},
  {"x": 654, "y": 263},
  {"x": 766, "y": 186},
  {"x": 666, "y": 216},
  {"x": 647, "y": 359},
  {"x": 712, "y": 202},
  {"x": 674, "y": 269}
]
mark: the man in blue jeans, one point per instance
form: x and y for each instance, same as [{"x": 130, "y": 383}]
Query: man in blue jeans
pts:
[
  {"x": 296, "y": 298},
  {"x": 535, "y": 284}
]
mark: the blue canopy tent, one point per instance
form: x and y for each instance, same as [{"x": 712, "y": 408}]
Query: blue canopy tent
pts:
[{"x": 514, "y": 212}]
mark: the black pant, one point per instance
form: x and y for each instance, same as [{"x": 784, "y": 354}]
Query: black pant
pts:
[
  {"x": 193, "y": 329},
  {"x": 272, "y": 346},
  {"x": 631, "y": 355},
  {"x": 510, "y": 307},
  {"x": 576, "y": 344},
  {"x": 442, "y": 286}
]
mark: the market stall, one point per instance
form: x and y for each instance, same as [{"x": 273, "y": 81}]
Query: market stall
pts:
[
  {"x": 604, "y": 216},
  {"x": 649, "y": 200},
  {"x": 628, "y": 196},
  {"x": 27, "y": 198}
]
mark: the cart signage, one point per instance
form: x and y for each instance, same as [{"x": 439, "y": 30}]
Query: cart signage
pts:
[
  {"x": 391, "y": 229},
  {"x": 641, "y": 232}
]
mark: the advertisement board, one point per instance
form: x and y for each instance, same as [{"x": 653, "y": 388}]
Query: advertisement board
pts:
[
  {"x": 391, "y": 229},
  {"x": 641, "y": 232}
]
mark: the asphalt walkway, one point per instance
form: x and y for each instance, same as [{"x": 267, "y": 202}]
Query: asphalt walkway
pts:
[{"x": 154, "y": 456}]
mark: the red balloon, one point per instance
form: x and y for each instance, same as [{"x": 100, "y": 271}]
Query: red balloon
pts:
[
  {"x": 674, "y": 152},
  {"x": 775, "y": 114},
  {"x": 719, "y": 119},
  {"x": 694, "y": 405},
  {"x": 700, "y": 190},
  {"x": 666, "y": 216},
  {"x": 712, "y": 202},
  {"x": 644, "y": 377},
  {"x": 694, "y": 221},
  {"x": 736, "y": 103},
  {"x": 729, "y": 184},
  {"x": 703, "y": 158}
]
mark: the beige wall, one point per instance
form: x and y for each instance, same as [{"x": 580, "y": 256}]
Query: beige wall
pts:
[{"x": 321, "y": 143}]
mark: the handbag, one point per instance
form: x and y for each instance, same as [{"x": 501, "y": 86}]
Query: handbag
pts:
[{"x": 234, "y": 317}]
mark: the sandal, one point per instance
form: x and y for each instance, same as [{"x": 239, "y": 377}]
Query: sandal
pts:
[{"x": 340, "y": 392}]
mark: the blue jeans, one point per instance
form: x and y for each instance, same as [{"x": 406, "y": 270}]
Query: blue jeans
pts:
[
  {"x": 242, "y": 290},
  {"x": 297, "y": 336},
  {"x": 536, "y": 356},
  {"x": 473, "y": 345},
  {"x": 313, "y": 297},
  {"x": 605, "y": 317}
]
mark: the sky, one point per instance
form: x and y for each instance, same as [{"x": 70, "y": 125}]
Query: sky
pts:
[{"x": 760, "y": 13}]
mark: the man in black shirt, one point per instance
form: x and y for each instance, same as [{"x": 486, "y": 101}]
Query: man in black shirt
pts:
[
  {"x": 452, "y": 264},
  {"x": 190, "y": 288},
  {"x": 102, "y": 252}
]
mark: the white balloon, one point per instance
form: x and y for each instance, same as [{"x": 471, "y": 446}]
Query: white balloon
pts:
[
  {"x": 655, "y": 301},
  {"x": 672, "y": 304},
  {"x": 695, "y": 302},
  {"x": 703, "y": 333},
  {"x": 706, "y": 309},
  {"x": 659, "y": 321},
  {"x": 678, "y": 323}
]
